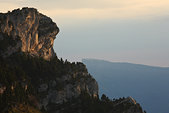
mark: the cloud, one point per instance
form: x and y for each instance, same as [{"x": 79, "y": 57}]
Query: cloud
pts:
[
  {"x": 135, "y": 11},
  {"x": 94, "y": 9},
  {"x": 5, "y": 7},
  {"x": 106, "y": 9}
]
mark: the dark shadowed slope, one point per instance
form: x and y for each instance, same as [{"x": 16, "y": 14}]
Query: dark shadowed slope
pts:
[{"x": 147, "y": 84}]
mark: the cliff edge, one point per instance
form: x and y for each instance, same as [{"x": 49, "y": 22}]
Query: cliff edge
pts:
[{"x": 28, "y": 31}]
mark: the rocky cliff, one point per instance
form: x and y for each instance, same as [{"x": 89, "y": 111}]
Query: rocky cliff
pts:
[
  {"x": 30, "y": 31},
  {"x": 67, "y": 86},
  {"x": 34, "y": 79}
]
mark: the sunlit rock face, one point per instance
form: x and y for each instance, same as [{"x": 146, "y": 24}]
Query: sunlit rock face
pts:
[{"x": 29, "y": 31}]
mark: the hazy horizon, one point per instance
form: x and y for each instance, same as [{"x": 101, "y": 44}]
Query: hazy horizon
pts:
[
  {"x": 120, "y": 62},
  {"x": 146, "y": 84},
  {"x": 134, "y": 31}
]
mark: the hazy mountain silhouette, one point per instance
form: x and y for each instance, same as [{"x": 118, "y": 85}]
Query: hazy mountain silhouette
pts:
[{"x": 147, "y": 84}]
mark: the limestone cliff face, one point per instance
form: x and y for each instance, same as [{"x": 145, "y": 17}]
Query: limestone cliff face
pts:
[
  {"x": 31, "y": 31},
  {"x": 68, "y": 86}
]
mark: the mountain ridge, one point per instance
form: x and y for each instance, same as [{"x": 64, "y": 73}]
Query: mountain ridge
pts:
[
  {"x": 147, "y": 84},
  {"x": 153, "y": 66}
]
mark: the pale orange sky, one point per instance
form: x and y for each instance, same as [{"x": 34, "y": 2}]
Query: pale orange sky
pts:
[
  {"x": 133, "y": 31},
  {"x": 87, "y": 9}
]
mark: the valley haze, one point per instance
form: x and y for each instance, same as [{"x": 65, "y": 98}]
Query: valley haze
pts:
[{"x": 148, "y": 84}]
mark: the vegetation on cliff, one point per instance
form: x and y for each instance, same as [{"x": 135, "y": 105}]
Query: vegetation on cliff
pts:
[{"x": 21, "y": 75}]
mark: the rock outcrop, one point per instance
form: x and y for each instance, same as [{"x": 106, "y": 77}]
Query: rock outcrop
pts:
[
  {"x": 132, "y": 105},
  {"x": 68, "y": 86},
  {"x": 28, "y": 31},
  {"x": 31, "y": 32}
]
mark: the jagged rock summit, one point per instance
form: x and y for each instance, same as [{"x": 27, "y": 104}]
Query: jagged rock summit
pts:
[{"x": 28, "y": 31}]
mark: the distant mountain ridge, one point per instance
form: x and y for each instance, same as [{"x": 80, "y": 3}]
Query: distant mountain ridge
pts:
[
  {"x": 125, "y": 63},
  {"x": 147, "y": 84}
]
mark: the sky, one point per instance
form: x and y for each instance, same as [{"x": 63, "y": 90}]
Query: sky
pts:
[{"x": 134, "y": 31}]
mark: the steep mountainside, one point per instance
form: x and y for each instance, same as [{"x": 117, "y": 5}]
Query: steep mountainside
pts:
[
  {"x": 34, "y": 80},
  {"x": 147, "y": 84}
]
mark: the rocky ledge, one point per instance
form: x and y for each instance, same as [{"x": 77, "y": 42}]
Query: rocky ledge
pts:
[{"x": 29, "y": 31}]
